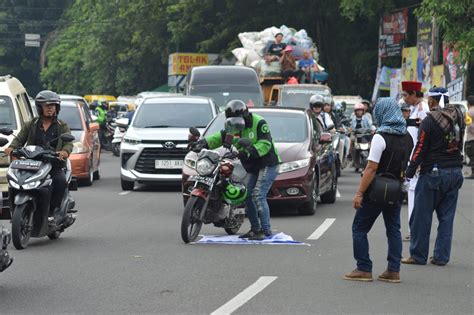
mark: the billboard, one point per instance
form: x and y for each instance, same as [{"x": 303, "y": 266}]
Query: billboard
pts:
[
  {"x": 425, "y": 52},
  {"x": 180, "y": 63},
  {"x": 453, "y": 73},
  {"x": 393, "y": 30},
  {"x": 409, "y": 58}
]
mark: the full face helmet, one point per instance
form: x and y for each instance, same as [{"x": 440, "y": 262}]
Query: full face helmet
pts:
[
  {"x": 234, "y": 194},
  {"x": 236, "y": 108},
  {"x": 234, "y": 125}
]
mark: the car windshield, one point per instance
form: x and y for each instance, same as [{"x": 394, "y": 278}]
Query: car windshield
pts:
[
  {"x": 173, "y": 115},
  {"x": 223, "y": 94},
  {"x": 72, "y": 117},
  {"x": 285, "y": 126},
  {"x": 7, "y": 115},
  {"x": 300, "y": 97}
]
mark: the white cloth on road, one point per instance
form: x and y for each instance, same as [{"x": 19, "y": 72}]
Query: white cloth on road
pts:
[{"x": 276, "y": 239}]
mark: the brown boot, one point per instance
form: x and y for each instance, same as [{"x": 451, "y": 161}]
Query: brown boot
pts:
[
  {"x": 390, "y": 276},
  {"x": 357, "y": 275}
]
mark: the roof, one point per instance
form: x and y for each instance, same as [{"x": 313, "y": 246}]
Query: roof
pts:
[
  {"x": 279, "y": 109},
  {"x": 227, "y": 75},
  {"x": 176, "y": 99},
  {"x": 70, "y": 97}
]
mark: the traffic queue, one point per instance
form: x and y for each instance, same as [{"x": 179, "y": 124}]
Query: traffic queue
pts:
[{"x": 232, "y": 153}]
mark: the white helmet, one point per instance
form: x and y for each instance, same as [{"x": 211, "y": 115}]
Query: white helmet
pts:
[{"x": 316, "y": 101}]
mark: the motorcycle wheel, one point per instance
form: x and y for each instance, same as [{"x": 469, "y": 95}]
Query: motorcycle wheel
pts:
[
  {"x": 116, "y": 149},
  {"x": 54, "y": 235},
  {"x": 22, "y": 225},
  {"x": 190, "y": 227},
  {"x": 236, "y": 228}
]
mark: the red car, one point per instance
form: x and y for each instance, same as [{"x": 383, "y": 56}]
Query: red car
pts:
[{"x": 308, "y": 168}]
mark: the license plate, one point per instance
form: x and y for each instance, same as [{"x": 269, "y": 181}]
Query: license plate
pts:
[
  {"x": 26, "y": 165},
  {"x": 169, "y": 164},
  {"x": 206, "y": 180}
]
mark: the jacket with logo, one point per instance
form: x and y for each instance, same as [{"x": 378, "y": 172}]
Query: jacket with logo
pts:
[{"x": 262, "y": 152}]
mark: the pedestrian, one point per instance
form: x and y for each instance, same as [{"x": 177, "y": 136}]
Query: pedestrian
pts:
[
  {"x": 439, "y": 155},
  {"x": 469, "y": 149},
  {"x": 389, "y": 152},
  {"x": 412, "y": 95}
]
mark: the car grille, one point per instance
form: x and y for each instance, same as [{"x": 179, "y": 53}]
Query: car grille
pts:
[{"x": 146, "y": 161}]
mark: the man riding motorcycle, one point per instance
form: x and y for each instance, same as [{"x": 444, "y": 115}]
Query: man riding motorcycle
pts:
[
  {"x": 316, "y": 103},
  {"x": 260, "y": 160},
  {"x": 45, "y": 131}
]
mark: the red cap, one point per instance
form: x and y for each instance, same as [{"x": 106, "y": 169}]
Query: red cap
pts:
[
  {"x": 288, "y": 48},
  {"x": 411, "y": 86}
]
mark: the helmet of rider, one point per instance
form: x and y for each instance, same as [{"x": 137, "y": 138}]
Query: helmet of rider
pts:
[
  {"x": 93, "y": 105},
  {"x": 328, "y": 100},
  {"x": 316, "y": 101},
  {"x": 236, "y": 108},
  {"x": 359, "y": 106},
  {"x": 338, "y": 108},
  {"x": 234, "y": 125},
  {"x": 104, "y": 105},
  {"x": 234, "y": 194},
  {"x": 405, "y": 107},
  {"x": 47, "y": 97}
]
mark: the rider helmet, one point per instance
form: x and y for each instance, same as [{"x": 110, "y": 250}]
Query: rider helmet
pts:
[
  {"x": 316, "y": 101},
  {"x": 236, "y": 108},
  {"x": 47, "y": 97},
  {"x": 328, "y": 100},
  {"x": 234, "y": 193},
  {"x": 234, "y": 125},
  {"x": 359, "y": 106}
]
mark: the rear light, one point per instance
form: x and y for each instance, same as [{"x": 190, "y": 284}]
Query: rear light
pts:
[{"x": 125, "y": 158}]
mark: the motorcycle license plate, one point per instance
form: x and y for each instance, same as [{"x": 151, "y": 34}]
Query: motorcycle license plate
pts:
[
  {"x": 169, "y": 164},
  {"x": 26, "y": 165},
  {"x": 201, "y": 179}
]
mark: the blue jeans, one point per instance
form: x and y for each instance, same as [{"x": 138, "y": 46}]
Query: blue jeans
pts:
[
  {"x": 363, "y": 221},
  {"x": 258, "y": 186},
  {"x": 434, "y": 193}
]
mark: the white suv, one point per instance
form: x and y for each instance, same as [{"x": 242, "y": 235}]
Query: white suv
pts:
[{"x": 155, "y": 144}]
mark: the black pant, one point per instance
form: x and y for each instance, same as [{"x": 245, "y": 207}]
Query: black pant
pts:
[{"x": 59, "y": 186}]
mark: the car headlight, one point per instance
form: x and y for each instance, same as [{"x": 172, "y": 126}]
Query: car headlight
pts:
[
  {"x": 79, "y": 147},
  {"x": 133, "y": 141},
  {"x": 31, "y": 185},
  {"x": 190, "y": 162},
  {"x": 204, "y": 167},
  {"x": 293, "y": 165}
]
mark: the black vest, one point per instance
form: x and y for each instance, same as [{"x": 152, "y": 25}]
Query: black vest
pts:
[{"x": 396, "y": 154}]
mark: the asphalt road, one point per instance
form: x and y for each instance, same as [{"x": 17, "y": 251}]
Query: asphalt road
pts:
[{"x": 125, "y": 255}]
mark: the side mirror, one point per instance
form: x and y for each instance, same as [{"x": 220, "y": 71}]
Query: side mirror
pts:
[
  {"x": 6, "y": 131},
  {"x": 67, "y": 137},
  {"x": 3, "y": 142},
  {"x": 194, "y": 131},
  {"x": 326, "y": 137},
  {"x": 122, "y": 122}
]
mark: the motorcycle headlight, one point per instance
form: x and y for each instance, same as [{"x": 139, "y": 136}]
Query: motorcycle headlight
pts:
[
  {"x": 13, "y": 184},
  {"x": 293, "y": 165},
  {"x": 133, "y": 141},
  {"x": 204, "y": 167},
  {"x": 190, "y": 162},
  {"x": 78, "y": 147},
  {"x": 11, "y": 174},
  {"x": 31, "y": 185}
]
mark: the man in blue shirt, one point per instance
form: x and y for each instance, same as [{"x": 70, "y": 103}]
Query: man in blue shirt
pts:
[{"x": 308, "y": 66}]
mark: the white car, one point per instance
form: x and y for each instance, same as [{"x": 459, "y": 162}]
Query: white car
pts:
[{"x": 155, "y": 144}]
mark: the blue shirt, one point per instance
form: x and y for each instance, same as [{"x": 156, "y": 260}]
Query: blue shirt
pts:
[{"x": 306, "y": 63}]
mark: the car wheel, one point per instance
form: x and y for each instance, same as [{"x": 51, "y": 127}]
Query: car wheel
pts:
[
  {"x": 309, "y": 207},
  {"x": 330, "y": 196},
  {"x": 97, "y": 173},
  {"x": 127, "y": 185}
]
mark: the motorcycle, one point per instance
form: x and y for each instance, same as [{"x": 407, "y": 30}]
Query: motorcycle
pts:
[
  {"x": 5, "y": 237},
  {"x": 341, "y": 143},
  {"x": 218, "y": 192},
  {"x": 119, "y": 133},
  {"x": 30, "y": 188},
  {"x": 361, "y": 147}
]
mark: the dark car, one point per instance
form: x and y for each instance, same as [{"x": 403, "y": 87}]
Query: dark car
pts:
[
  {"x": 225, "y": 83},
  {"x": 308, "y": 168}
]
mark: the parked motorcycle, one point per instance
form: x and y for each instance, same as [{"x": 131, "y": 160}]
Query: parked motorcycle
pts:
[
  {"x": 217, "y": 192},
  {"x": 361, "y": 147},
  {"x": 30, "y": 188}
]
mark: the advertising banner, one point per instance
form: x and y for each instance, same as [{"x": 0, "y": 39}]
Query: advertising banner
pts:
[
  {"x": 180, "y": 63},
  {"x": 453, "y": 73},
  {"x": 395, "y": 83},
  {"x": 425, "y": 52},
  {"x": 393, "y": 30},
  {"x": 438, "y": 76},
  {"x": 409, "y": 58}
]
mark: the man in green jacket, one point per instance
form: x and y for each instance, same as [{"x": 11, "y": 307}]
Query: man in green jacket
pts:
[
  {"x": 43, "y": 130},
  {"x": 260, "y": 159}
]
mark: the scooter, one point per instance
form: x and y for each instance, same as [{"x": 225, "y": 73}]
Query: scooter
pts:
[
  {"x": 361, "y": 147},
  {"x": 119, "y": 133},
  {"x": 30, "y": 188},
  {"x": 341, "y": 143}
]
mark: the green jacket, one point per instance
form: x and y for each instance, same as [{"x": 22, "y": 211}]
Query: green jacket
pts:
[
  {"x": 262, "y": 152},
  {"x": 100, "y": 115},
  {"x": 27, "y": 136}
]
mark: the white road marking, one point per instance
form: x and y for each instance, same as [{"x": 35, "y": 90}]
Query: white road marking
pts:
[
  {"x": 338, "y": 194},
  {"x": 321, "y": 229},
  {"x": 123, "y": 193},
  {"x": 244, "y": 296}
]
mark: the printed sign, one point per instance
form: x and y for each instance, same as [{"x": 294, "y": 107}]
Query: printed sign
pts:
[{"x": 180, "y": 63}]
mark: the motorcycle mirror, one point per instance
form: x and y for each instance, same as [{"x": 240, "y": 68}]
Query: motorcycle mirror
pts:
[
  {"x": 3, "y": 142},
  {"x": 6, "y": 131},
  {"x": 122, "y": 122},
  {"x": 326, "y": 137},
  {"x": 67, "y": 137},
  {"x": 194, "y": 131},
  {"x": 244, "y": 142}
]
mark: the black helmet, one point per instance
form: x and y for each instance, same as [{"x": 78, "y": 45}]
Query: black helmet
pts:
[
  {"x": 234, "y": 125},
  {"x": 48, "y": 97},
  {"x": 236, "y": 108},
  {"x": 316, "y": 101}
]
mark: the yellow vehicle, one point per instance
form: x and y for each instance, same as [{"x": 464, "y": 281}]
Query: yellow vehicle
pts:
[{"x": 99, "y": 98}]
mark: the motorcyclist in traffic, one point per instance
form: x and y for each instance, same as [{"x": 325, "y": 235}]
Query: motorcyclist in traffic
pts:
[
  {"x": 45, "y": 131},
  {"x": 360, "y": 120},
  {"x": 316, "y": 103},
  {"x": 260, "y": 160}
]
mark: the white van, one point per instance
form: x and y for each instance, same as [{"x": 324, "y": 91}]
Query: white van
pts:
[{"x": 15, "y": 111}]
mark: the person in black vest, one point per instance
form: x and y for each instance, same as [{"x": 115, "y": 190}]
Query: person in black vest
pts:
[
  {"x": 389, "y": 153},
  {"x": 438, "y": 153}
]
